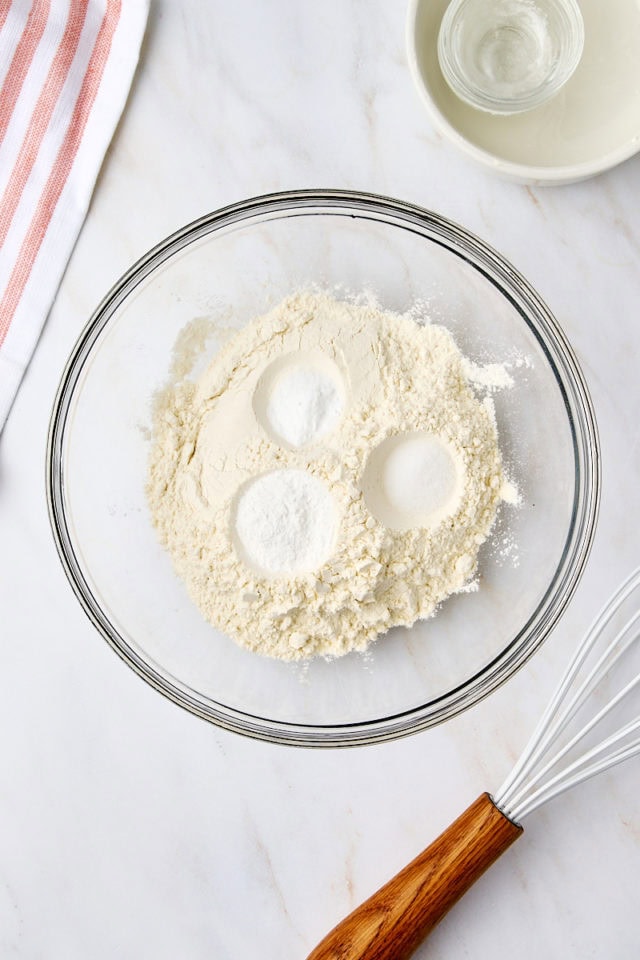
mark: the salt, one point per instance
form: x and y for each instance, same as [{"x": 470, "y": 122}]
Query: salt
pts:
[
  {"x": 420, "y": 477},
  {"x": 412, "y": 480}
]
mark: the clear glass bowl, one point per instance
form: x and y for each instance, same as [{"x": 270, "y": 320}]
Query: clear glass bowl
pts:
[
  {"x": 231, "y": 266},
  {"x": 507, "y": 56}
]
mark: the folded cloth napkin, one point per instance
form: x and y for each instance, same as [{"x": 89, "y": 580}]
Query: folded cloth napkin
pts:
[{"x": 65, "y": 72}]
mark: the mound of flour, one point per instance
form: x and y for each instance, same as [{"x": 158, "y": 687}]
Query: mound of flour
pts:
[{"x": 223, "y": 471}]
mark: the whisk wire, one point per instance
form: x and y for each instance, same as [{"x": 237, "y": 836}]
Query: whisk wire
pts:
[
  {"x": 605, "y": 663},
  {"x": 517, "y": 796},
  {"x": 580, "y": 735},
  {"x": 554, "y": 789},
  {"x": 580, "y": 770},
  {"x": 539, "y": 737}
]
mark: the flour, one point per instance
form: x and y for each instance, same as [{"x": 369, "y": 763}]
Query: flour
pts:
[{"x": 296, "y": 535}]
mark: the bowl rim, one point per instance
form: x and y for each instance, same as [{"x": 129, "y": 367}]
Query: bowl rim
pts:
[
  {"x": 519, "y": 172},
  {"x": 578, "y": 405}
]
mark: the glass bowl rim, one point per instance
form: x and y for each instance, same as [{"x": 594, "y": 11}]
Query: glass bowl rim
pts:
[{"x": 578, "y": 406}]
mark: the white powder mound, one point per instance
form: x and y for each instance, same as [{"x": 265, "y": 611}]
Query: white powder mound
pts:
[
  {"x": 285, "y": 522},
  {"x": 304, "y": 405},
  {"x": 294, "y": 568},
  {"x": 420, "y": 479}
]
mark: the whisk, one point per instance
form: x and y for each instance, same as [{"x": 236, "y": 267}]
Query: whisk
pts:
[{"x": 391, "y": 923}]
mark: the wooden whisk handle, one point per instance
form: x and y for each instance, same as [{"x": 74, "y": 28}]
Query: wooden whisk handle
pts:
[{"x": 391, "y": 923}]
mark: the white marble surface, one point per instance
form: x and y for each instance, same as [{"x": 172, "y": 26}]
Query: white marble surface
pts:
[{"x": 130, "y": 828}]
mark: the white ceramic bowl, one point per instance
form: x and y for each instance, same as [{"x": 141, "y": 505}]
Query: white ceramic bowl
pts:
[{"x": 591, "y": 125}]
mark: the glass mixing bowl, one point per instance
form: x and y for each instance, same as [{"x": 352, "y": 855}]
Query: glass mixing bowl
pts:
[{"x": 228, "y": 267}]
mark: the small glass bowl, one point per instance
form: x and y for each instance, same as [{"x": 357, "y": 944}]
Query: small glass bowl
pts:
[
  {"x": 508, "y": 56},
  {"x": 229, "y": 267}
]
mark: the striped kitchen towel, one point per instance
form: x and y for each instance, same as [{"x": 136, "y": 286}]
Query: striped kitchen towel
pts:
[{"x": 65, "y": 71}]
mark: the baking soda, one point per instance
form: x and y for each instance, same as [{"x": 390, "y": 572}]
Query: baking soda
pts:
[{"x": 285, "y": 523}]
